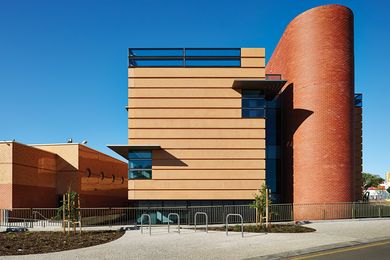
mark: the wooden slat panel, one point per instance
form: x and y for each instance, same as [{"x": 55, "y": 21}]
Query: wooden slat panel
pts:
[
  {"x": 183, "y": 82},
  {"x": 198, "y": 123},
  {"x": 252, "y": 62},
  {"x": 209, "y": 154},
  {"x": 223, "y": 174},
  {"x": 196, "y": 133},
  {"x": 209, "y": 164},
  {"x": 205, "y": 143},
  {"x": 196, "y": 184},
  {"x": 184, "y": 103},
  {"x": 185, "y": 113},
  {"x": 196, "y": 72},
  {"x": 184, "y": 92},
  {"x": 192, "y": 194},
  {"x": 252, "y": 52}
]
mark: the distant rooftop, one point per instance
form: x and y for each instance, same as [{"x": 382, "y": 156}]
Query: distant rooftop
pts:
[{"x": 184, "y": 57}]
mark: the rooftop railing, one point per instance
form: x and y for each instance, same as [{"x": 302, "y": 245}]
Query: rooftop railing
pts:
[{"x": 184, "y": 57}]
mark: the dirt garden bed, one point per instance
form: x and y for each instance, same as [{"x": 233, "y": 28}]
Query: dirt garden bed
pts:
[
  {"x": 23, "y": 243},
  {"x": 277, "y": 228}
]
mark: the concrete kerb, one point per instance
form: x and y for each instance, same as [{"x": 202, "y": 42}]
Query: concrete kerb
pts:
[{"x": 317, "y": 249}]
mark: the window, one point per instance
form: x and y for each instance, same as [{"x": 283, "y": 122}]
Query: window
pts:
[
  {"x": 253, "y": 104},
  {"x": 102, "y": 175},
  {"x": 88, "y": 172},
  {"x": 358, "y": 100},
  {"x": 140, "y": 164},
  {"x": 113, "y": 178}
]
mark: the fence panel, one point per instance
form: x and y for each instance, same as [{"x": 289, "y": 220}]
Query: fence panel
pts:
[
  {"x": 216, "y": 214},
  {"x": 281, "y": 212}
]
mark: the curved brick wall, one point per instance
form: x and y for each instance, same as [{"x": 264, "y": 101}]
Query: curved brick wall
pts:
[{"x": 315, "y": 54}]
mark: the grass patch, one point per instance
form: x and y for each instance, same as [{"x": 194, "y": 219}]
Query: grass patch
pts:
[{"x": 25, "y": 243}]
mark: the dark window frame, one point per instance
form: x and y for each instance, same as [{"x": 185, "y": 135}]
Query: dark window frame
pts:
[
  {"x": 253, "y": 95},
  {"x": 139, "y": 172}
]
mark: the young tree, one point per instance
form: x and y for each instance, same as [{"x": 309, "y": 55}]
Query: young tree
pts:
[
  {"x": 371, "y": 180},
  {"x": 260, "y": 204}
]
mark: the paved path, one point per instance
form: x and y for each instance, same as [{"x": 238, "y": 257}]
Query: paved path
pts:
[{"x": 216, "y": 245}]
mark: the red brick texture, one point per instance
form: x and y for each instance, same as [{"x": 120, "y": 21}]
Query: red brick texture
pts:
[{"x": 315, "y": 54}]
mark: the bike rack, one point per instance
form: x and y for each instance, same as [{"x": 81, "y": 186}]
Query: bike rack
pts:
[
  {"x": 207, "y": 222},
  {"x": 242, "y": 223},
  {"x": 150, "y": 223},
  {"x": 178, "y": 221}
]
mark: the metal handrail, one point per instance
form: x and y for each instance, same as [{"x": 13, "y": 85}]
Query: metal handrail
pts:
[
  {"x": 207, "y": 222},
  {"x": 37, "y": 212},
  {"x": 35, "y": 217},
  {"x": 150, "y": 224},
  {"x": 242, "y": 223},
  {"x": 178, "y": 221}
]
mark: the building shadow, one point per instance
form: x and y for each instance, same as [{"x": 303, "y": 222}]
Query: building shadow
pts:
[
  {"x": 292, "y": 118},
  {"x": 167, "y": 159}
]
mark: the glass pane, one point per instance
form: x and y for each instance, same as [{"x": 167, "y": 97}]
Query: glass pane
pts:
[
  {"x": 271, "y": 174},
  {"x": 273, "y": 152},
  {"x": 213, "y": 52},
  {"x": 140, "y": 164},
  {"x": 140, "y": 155},
  {"x": 253, "y": 113},
  {"x": 253, "y": 103},
  {"x": 252, "y": 93},
  {"x": 156, "y": 63},
  {"x": 213, "y": 63},
  {"x": 156, "y": 52},
  {"x": 140, "y": 174}
]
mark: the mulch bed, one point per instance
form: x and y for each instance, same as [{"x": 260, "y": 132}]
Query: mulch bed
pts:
[
  {"x": 23, "y": 243},
  {"x": 277, "y": 228}
]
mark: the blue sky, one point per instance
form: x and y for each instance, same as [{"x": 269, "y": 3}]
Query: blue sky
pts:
[{"x": 63, "y": 64}]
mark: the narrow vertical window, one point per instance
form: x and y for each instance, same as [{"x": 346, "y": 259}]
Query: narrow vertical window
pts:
[
  {"x": 140, "y": 164},
  {"x": 253, "y": 104}
]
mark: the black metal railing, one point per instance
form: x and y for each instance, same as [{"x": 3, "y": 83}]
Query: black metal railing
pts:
[
  {"x": 91, "y": 217},
  {"x": 184, "y": 57}
]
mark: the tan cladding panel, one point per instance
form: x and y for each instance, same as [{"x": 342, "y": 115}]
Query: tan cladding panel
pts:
[
  {"x": 191, "y": 194},
  {"x": 252, "y": 62},
  {"x": 183, "y": 93},
  {"x": 196, "y": 72},
  {"x": 252, "y": 52},
  {"x": 194, "y": 184},
  {"x": 185, "y": 113},
  {"x": 185, "y": 103},
  {"x": 220, "y": 174},
  {"x": 6, "y": 164},
  {"x": 208, "y": 164},
  {"x": 198, "y": 123},
  {"x": 196, "y": 133},
  {"x": 184, "y": 82},
  {"x": 204, "y": 143},
  {"x": 208, "y": 154}
]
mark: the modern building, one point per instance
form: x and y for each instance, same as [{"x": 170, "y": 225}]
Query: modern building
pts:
[
  {"x": 210, "y": 126},
  {"x": 36, "y": 176}
]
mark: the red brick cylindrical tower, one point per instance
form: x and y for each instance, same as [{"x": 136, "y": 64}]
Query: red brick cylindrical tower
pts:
[{"x": 315, "y": 55}]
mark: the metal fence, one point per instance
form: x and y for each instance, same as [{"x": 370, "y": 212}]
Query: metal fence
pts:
[{"x": 216, "y": 214}]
